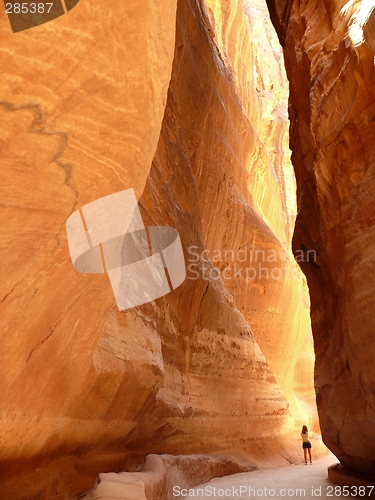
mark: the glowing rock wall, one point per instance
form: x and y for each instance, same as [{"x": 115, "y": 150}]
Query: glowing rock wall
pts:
[{"x": 209, "y": 368}]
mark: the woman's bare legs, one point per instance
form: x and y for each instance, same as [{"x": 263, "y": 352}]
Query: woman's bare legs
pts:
[
  {"x": 309, "y": 455},
  {"x": 305, "y": 455}
]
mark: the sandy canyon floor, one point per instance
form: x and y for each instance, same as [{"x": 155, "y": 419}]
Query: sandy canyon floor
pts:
[{"x": 295, "y": 481}]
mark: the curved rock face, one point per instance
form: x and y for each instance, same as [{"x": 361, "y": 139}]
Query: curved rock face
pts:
[
  {"x": 212, "y": 366},
  {"x": 329, "y": 54}
]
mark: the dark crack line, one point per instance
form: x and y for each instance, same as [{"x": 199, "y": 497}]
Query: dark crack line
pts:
[
  {"x": 203, "y": 295},
  {"x": 7, "y": 295},
  {"x": 59, "y": 319},
  {"x": 34, "y": 128},
  {"x": 111, "y": 353},
  {"x": 40, "y": 343}
]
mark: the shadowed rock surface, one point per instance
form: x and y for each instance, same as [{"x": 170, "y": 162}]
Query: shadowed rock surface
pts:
[
  {"x": 189, "y": 110},
  {"x": 329, "y": 55}
]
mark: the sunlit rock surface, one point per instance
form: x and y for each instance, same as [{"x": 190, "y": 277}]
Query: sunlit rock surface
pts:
[
  {"x": 329, "y": 52},
  {"x": 215, "y": 366}
]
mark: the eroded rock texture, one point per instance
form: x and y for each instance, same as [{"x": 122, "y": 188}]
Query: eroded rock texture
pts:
[
  {"x": 329, "y": 52},
  {"x": 212, "y": 367}
]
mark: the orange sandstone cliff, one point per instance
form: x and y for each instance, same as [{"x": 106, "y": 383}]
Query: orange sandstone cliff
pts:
[
  {"x": 185, "y": 104},
  {"x": 329, "y": 53}
]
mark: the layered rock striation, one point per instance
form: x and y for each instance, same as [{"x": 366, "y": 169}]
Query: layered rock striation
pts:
[
  {"x": 136, "y": 96},
  {"x": 329, "y": 54}
]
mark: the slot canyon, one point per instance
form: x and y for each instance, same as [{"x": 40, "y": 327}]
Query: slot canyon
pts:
[{"x": 193, "y": 104}]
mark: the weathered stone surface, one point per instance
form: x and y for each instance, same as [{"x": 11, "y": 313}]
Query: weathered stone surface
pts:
[
  {"x": 161, "y": 475},
  {"x": 82, "y": 101},
  {"x": 353, "y": 481},
  {"x": 329, "y": 53},
  {"x": 209, "y": 368}
]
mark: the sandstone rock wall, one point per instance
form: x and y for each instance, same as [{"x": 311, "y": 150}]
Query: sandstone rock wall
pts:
[
  {"x": 209, "y": 368},
  {"x": 329, "y": 54},
  {"x": 223, "y": 216},
  {"x": 82, "y": 102}
]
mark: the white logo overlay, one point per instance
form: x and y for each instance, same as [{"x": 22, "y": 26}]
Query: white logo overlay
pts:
[{"x": 142, "y": 263}]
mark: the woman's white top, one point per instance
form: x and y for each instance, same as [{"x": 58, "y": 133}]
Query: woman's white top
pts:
[{"x": 305, "y": 437}]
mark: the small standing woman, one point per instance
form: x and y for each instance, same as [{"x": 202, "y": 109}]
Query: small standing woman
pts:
[{"x": 306, "y": 445}]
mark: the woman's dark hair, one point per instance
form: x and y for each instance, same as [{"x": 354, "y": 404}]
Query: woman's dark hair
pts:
[{"x": 305, "y": 429}]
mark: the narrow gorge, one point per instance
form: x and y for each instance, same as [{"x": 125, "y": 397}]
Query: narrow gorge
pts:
[{"x": 187, "y": 103}]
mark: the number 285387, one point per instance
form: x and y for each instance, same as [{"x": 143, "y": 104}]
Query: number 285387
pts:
[{"x": 25, "y": 8}]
